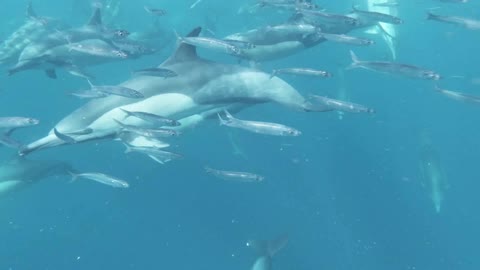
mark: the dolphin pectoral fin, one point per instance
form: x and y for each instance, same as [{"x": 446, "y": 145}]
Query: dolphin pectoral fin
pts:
[{"x": 51, "y": 73}]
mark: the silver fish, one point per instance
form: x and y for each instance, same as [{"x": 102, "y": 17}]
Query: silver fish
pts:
[
  {"x": 258, "y": 127},
  {"x": 156, "y": 154},
  {"x": 458, "y": 96},
  {"x": 394, "y": 68},
  {"x": 235, "y": 176},
  {"x": 387, "y": 4},
  {"x": 330, "y": 17},
  {"x": 96, "y": 50},
  {"x": 461, "y": 21},
  {"x": 343, "y": 106},
  {"x": 156, "y": 72},
  {"x": 152, "y": 118},
  {"x": 347, "y": 39},
  {"x": 211, "y": 44},
  {"x": 102, "y": 178},
  {"x": 89, "y": 94},
  {"x": 117, "y": 91},
  {"x": 17, "y": 122},
  {"x": 377, "y": 16},
  {"x": 302, "y": 71},
  {"x": 149, "y": 132},
  {"x": 155, "y": 11}
]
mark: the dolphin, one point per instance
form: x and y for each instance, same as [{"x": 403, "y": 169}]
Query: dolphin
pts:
[
  {"x": 38, "y": 55},
  {"x": 271, "y": 44},
  {"x": 266, "y": 250},
  {"x": 20, "y": 172},
  {"x": 433, "y": 176},
  {"x": 33, "y": 29},
  {"x": 201, "y": 90}
]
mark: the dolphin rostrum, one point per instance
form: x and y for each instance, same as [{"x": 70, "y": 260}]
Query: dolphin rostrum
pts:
[{"x": 201, "y": 90}]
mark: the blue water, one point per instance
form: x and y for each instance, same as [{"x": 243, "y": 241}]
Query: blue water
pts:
[{"x": 349, "y": 192}]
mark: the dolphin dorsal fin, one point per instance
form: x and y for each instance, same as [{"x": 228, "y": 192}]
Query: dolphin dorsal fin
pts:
[
  {"x": 96, "y": 18},
  {"x": 30, "y": 12},
  {"x": 184, "y": 51}
]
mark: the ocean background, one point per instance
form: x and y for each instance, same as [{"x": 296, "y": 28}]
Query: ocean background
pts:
[{"x": 349, "y": 192}]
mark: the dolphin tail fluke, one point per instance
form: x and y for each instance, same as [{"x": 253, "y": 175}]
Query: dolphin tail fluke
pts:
[{"x": 269, "y": 248}]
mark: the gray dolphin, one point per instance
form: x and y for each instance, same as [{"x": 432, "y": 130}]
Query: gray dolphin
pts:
[
  {"x": 282, "y": 40},
  {"x": 38, "y": 55},
  {"x": 33, "y": 29},
  {"x": 20, "y": 172},
  {"x": 201, "y": 90},
  {"x": 266, "y": 250}
]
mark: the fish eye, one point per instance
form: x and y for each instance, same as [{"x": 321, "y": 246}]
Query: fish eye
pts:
[{"x": 121, "y": 33}]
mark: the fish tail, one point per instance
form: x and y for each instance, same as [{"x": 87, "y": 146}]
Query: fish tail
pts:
[
  {"x": 430, "y": 15},
  {"x": 228, "y": 115},
  {"x": 355, "y": 61},
  {"x": 208, "y": 169},
  {"x": 119, "y": 123},
  {"x": 127, "y": 113},
  {"x": 73, "y": 175},
  {"x": 222, "y": 121},
  {"x": 273, "y": 74},
  {"x": 128, "y": 149}
]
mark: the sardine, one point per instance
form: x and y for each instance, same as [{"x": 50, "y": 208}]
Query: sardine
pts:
[
  {"x": 394, "y": 68},
  {"x": 156, "y": 72},
  {"x": 149, "y": 132},
  {"x": 152, "y": 118},
  {"x": 235, "y": 176},
  {"x": 17, "y": 122},
  {"x": 458, "y": 96},
  {"x": 302, "y": 71},
  {"x": 343, "y": 106},
  {"x": 465, "y": 22},
  {"x": 347, "y": 39},
  {"x": 116, "y": 90},
  {"x": 101, "y": 178},
  {"x": 211, "y": 44},
  {"x": 258, "y": 127},
  {"x": 155, "y": 11}
]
